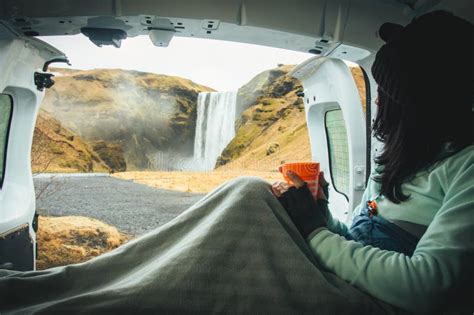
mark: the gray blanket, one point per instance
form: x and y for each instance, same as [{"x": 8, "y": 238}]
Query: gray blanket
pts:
[{"x": 234, "y": 251}]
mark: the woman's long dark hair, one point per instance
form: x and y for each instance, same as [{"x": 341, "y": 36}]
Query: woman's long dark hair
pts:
[{"x": 415, "y": 137}]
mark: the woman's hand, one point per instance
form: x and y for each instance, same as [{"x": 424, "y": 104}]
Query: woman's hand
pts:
[
  {"x": 306, "y": 213},
  {"x": 279, "y": 188}
]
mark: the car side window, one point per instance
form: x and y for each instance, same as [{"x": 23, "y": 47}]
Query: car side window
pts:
[
  {"x": 6, "y": 110},
  {"x": 338, "y": 150}
]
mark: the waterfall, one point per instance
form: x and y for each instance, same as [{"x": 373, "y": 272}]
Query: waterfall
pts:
[{"x": 214, "y": 127}]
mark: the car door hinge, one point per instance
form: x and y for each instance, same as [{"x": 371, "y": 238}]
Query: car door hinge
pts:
[{"x": 43, "y": 80}]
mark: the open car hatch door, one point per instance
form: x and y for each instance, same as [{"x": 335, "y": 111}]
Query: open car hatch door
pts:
[
  {"x": 23, "y": 63},
  {"x": 336, "y": 121}
]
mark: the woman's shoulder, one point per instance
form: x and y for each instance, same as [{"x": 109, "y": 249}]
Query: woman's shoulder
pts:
[
  {"x": 458, "y": 160},
  {"x": 442, "y": 172},
  {"x": 457, "y": 164}
]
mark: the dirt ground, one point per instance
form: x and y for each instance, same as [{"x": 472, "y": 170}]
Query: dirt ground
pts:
[{"x": 196, "y": 182}]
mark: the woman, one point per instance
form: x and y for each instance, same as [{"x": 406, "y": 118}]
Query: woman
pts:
[
  {"x": 238, "y": 251},
  {"x": 411, "y": 242}
]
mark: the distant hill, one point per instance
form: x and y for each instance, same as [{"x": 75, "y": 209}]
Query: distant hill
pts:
[
  {"x": 136, "y": 114},
  {"x": 272, "y": 128}
]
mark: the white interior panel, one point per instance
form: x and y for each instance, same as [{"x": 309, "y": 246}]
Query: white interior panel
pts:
[
  {"x": 19, "y": 58},
  {"x": 328, "y": 85}
]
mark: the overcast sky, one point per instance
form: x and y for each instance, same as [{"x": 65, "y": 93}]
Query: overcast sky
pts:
[{"x": 222, "y": 65}]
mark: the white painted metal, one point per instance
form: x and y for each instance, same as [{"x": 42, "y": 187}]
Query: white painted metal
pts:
[
  {"x": 328, "y": 85},
  {"x": 302, "y": 25},
  {"x": 299, "y": 25},
  {"x": 19, "y": 58}
]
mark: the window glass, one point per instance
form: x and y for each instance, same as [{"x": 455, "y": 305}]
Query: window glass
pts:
[
  {"x": 5, "y": 115},
  {"x": 338, "y": 150}
]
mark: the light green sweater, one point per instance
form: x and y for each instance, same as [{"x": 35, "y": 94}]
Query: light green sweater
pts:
[{"x": 440, "y": 274}]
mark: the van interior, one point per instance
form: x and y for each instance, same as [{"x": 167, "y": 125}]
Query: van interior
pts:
[{"x": 334, "y": 31}]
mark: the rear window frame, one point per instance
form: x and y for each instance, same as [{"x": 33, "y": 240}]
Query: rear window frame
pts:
[
  {"x": 328, "y": 145},
  {"x": 7, "y": 137}
]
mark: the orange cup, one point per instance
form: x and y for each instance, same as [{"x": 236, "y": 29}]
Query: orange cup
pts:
[{"x": 307, "y": 171}]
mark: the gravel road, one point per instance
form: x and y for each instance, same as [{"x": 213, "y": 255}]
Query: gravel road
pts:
[{"x": 132, "y": 208}]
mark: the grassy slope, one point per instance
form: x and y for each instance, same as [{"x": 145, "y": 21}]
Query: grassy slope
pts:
[
  {"x": 74, "y": 239},
  {"x": 273, "y": 131},
  {"x": 196, "y": 182},
  {"x": 57, "y": 149}
]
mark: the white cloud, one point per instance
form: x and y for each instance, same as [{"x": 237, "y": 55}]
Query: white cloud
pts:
[{"x": 219, "y": 64}]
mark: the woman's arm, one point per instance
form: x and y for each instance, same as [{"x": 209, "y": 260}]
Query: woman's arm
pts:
[
  {"x": 333, "y": 224},
  {"x": 439, "y": 273}
]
